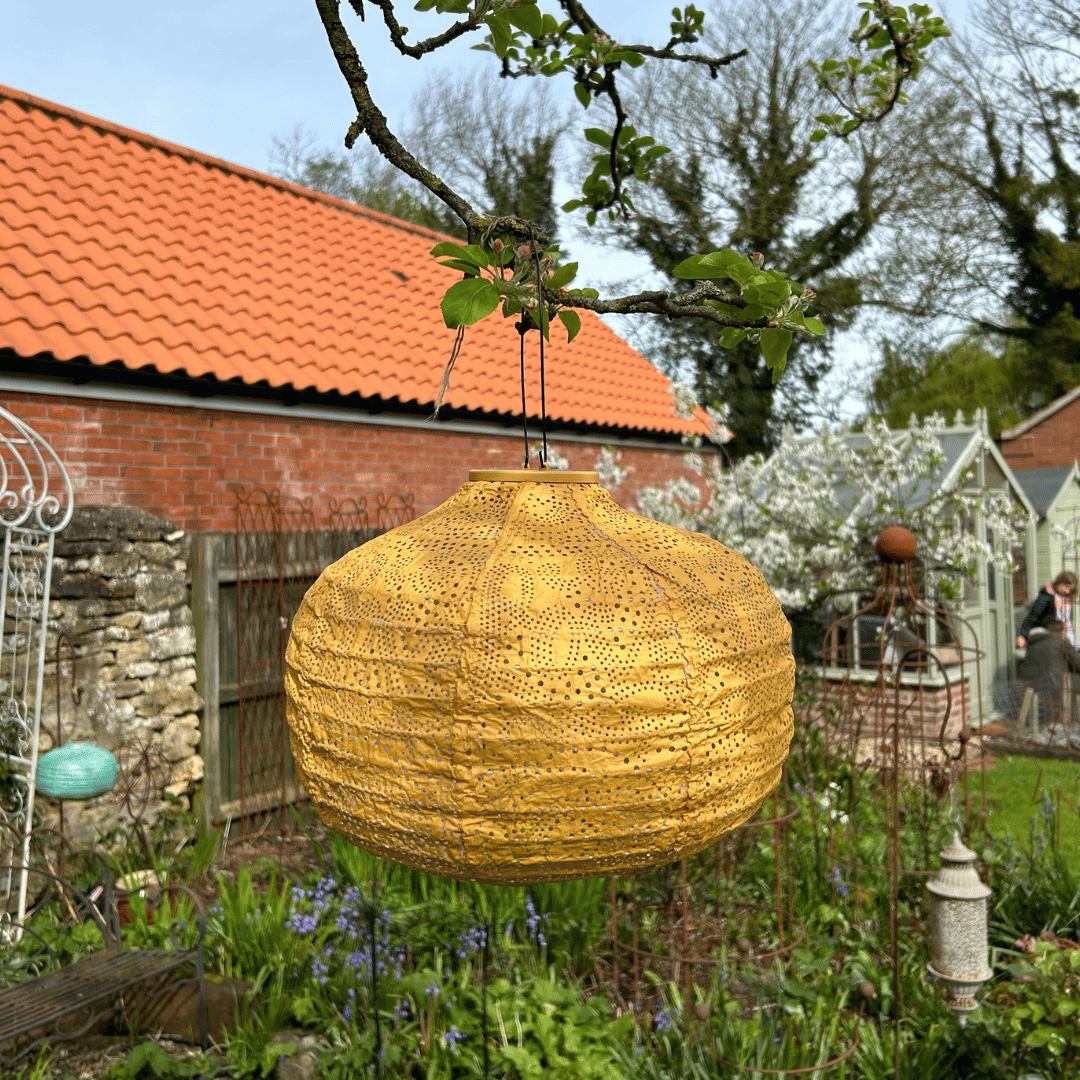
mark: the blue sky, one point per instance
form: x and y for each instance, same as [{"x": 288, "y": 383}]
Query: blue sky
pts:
[{"x": 223, "y": 77}]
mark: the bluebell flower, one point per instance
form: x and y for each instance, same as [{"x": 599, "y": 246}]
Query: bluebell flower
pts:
[
  {"x": 838, "y": 882},
  {"x": 453, "y": 1036},
  {"x": 665, "y": 1020}
]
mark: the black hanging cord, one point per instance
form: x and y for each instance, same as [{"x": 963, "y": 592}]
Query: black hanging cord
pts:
[
  {"x": 523, "y": 328},
  {"x": 526, "y": 323},
  {"x": 540, "y": 326}
]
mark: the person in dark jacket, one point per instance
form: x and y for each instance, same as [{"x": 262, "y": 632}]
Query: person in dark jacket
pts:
[
  {"x": 1049, "y": 656},
  {"x": 1053, "y": 601}
]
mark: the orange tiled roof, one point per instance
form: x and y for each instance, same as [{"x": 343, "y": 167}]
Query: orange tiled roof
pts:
[{"x": 115, "y": 246}]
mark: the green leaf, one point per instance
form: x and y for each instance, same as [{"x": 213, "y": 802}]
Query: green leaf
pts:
[
  {"x": 527, "y": 17},
  {"x": 501, "y": 38},
  {"x": 775, "y": 343},
  {"x": 469, "y": 301},
  {"x": 572, "y": 321},
  {"x": 714, "y": 266},
  {"x": 817, "y": 136},
  {"x": 563, "y": 275},
  {"x": 625, "y": 56},
  {"x": 815, "y": 326},
  {"x": 731, "y": 336},
  {"x": 583, "y": 94},
  {"x": 470, "y": 253},
  {"x": 769, "y": 294},
  {"x": 463, "y": 267},
  {"x": 599, "y": 136}
]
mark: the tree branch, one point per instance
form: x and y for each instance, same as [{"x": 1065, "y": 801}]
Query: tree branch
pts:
[
  {"x": 371, "y": 121},
  {"x": 683, "y": 305},
  {"x": 429, "y": 45}
]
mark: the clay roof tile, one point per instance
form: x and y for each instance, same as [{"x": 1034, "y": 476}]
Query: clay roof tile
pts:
[{"x": 117, "y": 247}]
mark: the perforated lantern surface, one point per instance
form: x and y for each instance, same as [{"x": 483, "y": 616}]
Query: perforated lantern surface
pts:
[{"x": 530, "y": 683}]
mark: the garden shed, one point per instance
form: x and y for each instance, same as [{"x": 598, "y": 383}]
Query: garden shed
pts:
[
  {"x": 993, "y": 602},
  {"x": 250, "y": 367},
  {"x": 1055, "y": 495}
]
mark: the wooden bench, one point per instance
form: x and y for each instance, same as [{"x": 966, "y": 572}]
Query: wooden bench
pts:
[{"x": 64, "y": 1002}]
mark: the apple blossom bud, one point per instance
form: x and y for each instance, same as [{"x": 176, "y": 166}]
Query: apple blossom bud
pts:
[
  {"x": 808, "y": 293},
  {"x": 497, "y": 246},
  {"x": 523, "y": 251},
  {"x": 757, "y": 258}
]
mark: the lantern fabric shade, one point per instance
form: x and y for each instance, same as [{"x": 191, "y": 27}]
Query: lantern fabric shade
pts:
[
  {"x": 530, "y": 683},
  {"x": 75, "y": 771}
]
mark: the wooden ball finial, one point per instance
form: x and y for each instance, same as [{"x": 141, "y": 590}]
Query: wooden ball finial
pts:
[{"x": 896, "y": 544}]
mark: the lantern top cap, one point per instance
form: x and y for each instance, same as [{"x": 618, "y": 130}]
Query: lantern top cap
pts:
[
  {"x": 957, "y": 851},
  {"x": 534, "y": 476},
  {"x": 958, "y": 879}
]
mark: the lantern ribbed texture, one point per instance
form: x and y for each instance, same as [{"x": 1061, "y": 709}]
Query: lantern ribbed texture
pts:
[{"x": 530, "y": 683}]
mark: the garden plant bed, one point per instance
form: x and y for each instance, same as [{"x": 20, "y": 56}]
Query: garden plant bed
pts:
[{"x": 516, "y": 983}]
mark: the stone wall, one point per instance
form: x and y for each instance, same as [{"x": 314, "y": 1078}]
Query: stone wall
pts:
[{"x": 120, "y": 601}]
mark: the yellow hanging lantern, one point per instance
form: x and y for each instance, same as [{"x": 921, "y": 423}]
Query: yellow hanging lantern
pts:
[{"x": 530, "y": 683}]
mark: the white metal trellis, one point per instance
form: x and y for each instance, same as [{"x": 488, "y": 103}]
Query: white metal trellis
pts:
[{"x": 35, "y": 504}]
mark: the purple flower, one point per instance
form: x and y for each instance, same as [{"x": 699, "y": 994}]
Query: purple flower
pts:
[
  {"x": 453, "y": 1036},
  {"x": 665, "y": 1019},
  {"x": 838, "y": 882}
]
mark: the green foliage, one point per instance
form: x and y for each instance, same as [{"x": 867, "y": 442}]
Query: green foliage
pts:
[
  {"x": 500, "y": 274},
  {"x": 1036, "y": 885},
  {"x": 963, "y": 376},
  {"x": 147, "y": 1060},
  {"x": 307, "y": 946},
  {"x": 1038, "y": 1012},
  {"x": 896, "y": 40}
]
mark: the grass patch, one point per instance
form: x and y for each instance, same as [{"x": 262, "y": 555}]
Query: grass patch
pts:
[{"x": 1015, "y": 787}]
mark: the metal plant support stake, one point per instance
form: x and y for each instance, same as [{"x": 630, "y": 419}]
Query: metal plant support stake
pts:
[{"x": 35, "y": 504}]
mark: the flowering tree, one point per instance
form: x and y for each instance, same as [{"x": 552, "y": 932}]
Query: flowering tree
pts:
[{"x": 809, "y": 515}]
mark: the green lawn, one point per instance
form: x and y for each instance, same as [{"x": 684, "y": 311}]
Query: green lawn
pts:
[{"x": 1014, "y": 789}]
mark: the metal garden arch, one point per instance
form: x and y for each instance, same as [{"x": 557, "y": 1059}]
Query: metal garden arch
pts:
[{"x": 35, "y": 504}]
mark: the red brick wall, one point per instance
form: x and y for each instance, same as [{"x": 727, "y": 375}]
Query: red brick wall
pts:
[
  {"x": 1053, "y": 443},
  {"x": 183, "y": 463}
]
